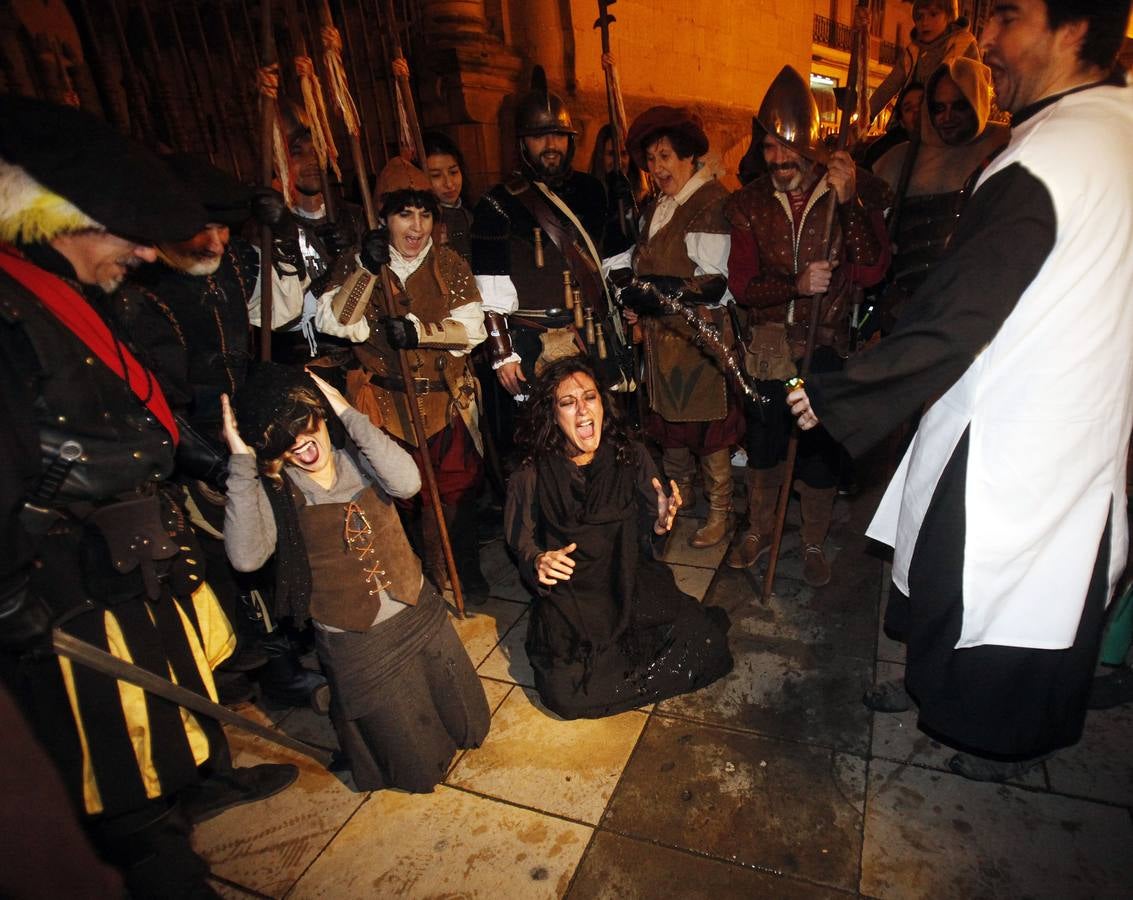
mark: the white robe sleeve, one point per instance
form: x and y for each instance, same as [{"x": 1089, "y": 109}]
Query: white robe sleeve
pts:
[{"x": 710, "y": 254}]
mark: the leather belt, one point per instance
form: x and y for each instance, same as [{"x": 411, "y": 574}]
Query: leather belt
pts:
[{"x": 396, "y": 383}]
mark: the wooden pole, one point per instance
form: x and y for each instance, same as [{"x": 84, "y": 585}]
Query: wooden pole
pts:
[
  {"x": 140, "y": 125},
  {"x": 211, "y": 80},
  {"x": 413, "y": 401},
  {"x": 299, "y": 46},
  {"x": 404, "y": 87},
  {"x": 267, "y": 168}
]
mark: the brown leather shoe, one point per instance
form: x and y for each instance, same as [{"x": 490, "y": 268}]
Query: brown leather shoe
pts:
[
  {"x": 748, "y": 551},
  {"x": 714, "y": 530},
  {"x": 816, "y": 570}
]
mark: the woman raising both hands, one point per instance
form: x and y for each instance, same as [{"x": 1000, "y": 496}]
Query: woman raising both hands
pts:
[{"x": 609, "y": 629}]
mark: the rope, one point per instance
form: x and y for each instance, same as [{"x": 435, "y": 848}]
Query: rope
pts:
[
  {"x": 336, "y": 76},
  {"x": 267, "y": 83},
  {"x": 321, "y": 136}
]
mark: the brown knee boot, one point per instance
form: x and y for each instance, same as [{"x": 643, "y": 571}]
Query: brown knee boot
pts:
[
  {"x": 817, "y": 509},
  {"x": 762, "y": 500},
  {"x": 717, "y": 471}
]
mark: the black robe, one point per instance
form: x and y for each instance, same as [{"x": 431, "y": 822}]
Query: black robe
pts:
[{"x": 619, "y": 633}]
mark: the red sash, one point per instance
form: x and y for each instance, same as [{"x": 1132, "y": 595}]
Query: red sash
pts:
[{"x": 76, "y": 314}]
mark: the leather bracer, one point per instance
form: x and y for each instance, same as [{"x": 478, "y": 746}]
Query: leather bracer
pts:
[{"x": 499, "y": 338}]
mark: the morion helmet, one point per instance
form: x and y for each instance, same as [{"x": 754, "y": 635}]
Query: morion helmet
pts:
[
  {"x": 789, "y": 113},
  {"x": 541, "y": 112}
]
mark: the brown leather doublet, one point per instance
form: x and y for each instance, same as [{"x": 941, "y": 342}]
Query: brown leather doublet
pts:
[
  {"x": 686, "y": 384},
  {"x": 443, "y": 383},
  {"x": 348, "y": 575},
  {"x": 766, "y": 212}
]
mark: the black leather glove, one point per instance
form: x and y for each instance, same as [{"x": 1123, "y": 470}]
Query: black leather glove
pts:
[
  {"x": 400, "y": 333},
  {"x": 337, "y": 238},
  {"x": 698, "y": 289},
  {"x": 374, "y": 251},
  {"x": 25, "y": 620},
  {"x": 621, "y": 191},
  {"x": 669, "y": 285},
  {"x": 270, "y": 209},
  {"x": 633, "y": 293}
]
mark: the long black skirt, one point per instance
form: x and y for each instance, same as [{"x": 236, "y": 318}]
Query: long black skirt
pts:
[
  {"x": 995, "y": 701},
  {"x": 672, "y": 646},
  {"x": 404, "y": 697}
]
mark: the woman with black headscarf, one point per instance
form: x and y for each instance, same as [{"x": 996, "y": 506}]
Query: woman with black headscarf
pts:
[{"x": 609, "y": 630}]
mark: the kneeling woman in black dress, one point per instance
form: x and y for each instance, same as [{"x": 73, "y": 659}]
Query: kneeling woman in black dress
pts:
[{"x": 609, "y": 629}]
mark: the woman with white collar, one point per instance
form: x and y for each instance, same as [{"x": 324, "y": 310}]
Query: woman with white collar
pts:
[
  {"x": 439, "y": 321},
  {"x": 683, "y": 251}
]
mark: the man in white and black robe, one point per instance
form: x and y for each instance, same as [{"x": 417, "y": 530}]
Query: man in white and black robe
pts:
[{"x": 1007, "y": 514}]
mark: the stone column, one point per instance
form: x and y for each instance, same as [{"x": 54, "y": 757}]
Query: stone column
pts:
[{"x": 470, "y": 72}]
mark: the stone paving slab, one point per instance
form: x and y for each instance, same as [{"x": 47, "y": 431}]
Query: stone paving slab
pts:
[
  {"x": 692, "y": 580},
  {"x": 616, "y": 867},
  {"x": 784, "y": 689},
  {"x": 836, "y": 619},
  {"x": 483, "y": 627},
  {"x": 1100, "y": 767},
  {"x": 508, "y": 662},
  {"x": 266, "y": 846},
  {"x": 446, "y": 844},
  {"x": 896, "y": 737},
  {"x": 533, "y": 758},
  {"x": 940, "y": 836},
  {"x": 785, "y": 807}
]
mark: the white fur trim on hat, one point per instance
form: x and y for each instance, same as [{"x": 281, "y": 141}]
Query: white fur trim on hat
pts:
[{"x": 32, "y": 214}]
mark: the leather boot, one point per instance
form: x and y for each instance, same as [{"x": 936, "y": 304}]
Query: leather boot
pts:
[
  {"x": 680, "y": 467},
  {"x": 284, "y": 681},
  {"x": 717, "y": 471},
  {"x": 817, "y": 509},
  {"x": 762, "y": 498}
]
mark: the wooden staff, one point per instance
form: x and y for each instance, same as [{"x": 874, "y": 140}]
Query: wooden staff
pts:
[
  {"x": 354, "y": 79},
  {"x": 107, "y": 96},
  {"x": 627, "y": 219},
  {"x": 234, "y": 66},
  {"x": 375, "y": 90},
  {"x": 192, "y": 86},
  {"x": 345, "y": 104},
  {"x": 211, "y": 80},
  {"x": 302, "y": 59},
  {"x": 177, "y": 133},
  {"x": 812, "y": 334},
  {"x": 404, "y": 90},
  {"x": 140, "y": 125},
  {"x": 267, "y": 153}
]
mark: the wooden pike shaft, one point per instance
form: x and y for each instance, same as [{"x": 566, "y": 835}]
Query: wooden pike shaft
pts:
[
  {"x": 267, "y": 168},
  {"x": 299, "y": 48},
  {"x": 211, "y": 80},
  {"x": 406, "y": 91},
  {"x": 422, "y": 450},
  {"x": 192, "y": 86}
]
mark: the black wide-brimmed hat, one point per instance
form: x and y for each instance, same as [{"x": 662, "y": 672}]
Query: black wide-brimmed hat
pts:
[
  {"x": 655, "y": 121},
  {"x": 226, "y": 200},
  {"x": 272, "y": 408},
  {"x": 114, "y": 182}
]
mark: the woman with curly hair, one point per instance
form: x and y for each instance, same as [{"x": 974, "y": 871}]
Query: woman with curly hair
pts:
[{"x": 609, "y": 629}]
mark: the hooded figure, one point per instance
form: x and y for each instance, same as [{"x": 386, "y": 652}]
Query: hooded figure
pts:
[{"x": 946, "y": 159}]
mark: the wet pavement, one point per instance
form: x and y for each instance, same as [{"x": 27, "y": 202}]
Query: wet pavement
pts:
[{"x": 773, "y": 782}]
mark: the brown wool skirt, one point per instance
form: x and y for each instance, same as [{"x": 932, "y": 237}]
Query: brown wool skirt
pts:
[{"x": 405, "y": 697}]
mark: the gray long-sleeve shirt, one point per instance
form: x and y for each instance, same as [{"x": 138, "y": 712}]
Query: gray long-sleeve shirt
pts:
[{"x": 249, "y": 526}]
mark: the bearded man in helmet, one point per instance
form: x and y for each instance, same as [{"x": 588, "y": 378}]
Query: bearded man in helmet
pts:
[
  {"x": 534, "y": 236},
  {"x": 778, "y": 266}
]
